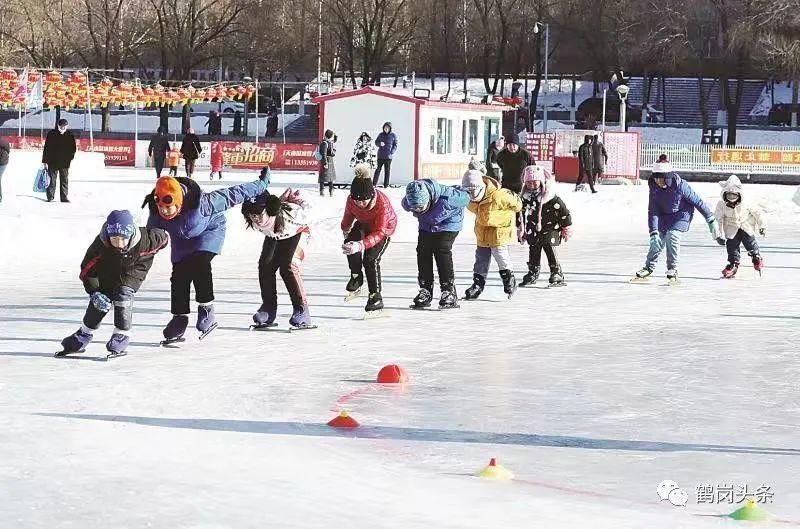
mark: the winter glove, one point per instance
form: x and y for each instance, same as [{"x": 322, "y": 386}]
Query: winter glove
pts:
[
  {"x": 101, "y": 301},
  {"x": 349, "y": 248},
  {"x": 266, "y": 175},
  {"x": 713, "y": 227},
  {"x": 655, "y": 239},
  {"x": 292, "y": 196},
  {"x": 566, "y": 233},
  {"x": 721, "y": 241},
  {"x": 762, "y": 232}
]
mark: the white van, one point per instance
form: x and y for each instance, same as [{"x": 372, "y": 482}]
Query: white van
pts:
[{"x": 228, "y": 107}]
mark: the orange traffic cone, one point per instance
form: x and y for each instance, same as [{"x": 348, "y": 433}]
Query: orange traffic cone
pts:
[
  {"x": 343, "y": 420},
  {"x": 392, "y": 374}
]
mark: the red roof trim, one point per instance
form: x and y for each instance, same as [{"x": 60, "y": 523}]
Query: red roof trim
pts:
[{"x": 400, "y": 97}]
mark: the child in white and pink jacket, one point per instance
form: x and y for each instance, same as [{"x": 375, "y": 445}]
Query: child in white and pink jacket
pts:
[{"x": 739, "y": 221}]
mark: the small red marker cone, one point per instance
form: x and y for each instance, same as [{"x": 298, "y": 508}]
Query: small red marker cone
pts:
[
  {"x": 392, "y": 374},
  {"x": 495, "y": 472},
  {"x": 343, "y": 420}
]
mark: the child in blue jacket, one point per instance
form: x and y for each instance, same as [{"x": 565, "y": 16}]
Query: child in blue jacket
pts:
[
  {"x": 195, "y": 222},
  {"x": 440, "y": 212},
  {"x": 670, "y": 210}
]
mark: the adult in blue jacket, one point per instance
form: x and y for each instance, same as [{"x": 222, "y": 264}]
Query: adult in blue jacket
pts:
[
  {"x": 387, "y": 145},
  {"x": 440, "y": 212},
  {"x": 195, "y": 222},
  {"x": 670, "y": 210}
]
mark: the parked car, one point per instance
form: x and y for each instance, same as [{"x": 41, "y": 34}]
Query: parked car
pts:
[{"x": 228, "y": 107}]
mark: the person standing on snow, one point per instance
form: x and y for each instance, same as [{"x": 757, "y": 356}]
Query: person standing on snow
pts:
[
  {"x": 196, "y": 223},
  {"x": 492, "y": 168},
  {"x": 512, "y": 161},
  {"x": 364, "y": 151},
  {"x": 740, "y": 222},
  {"x": 190, "y": 149},
  {"x": 586, "y": 163},
  {"x": 440, "y": 212},
  {"x": 327, "y": 166},
  {"x": 59, "y": 150},
  {"x": 387, "y": 146},
  {"x": 669, "y": 214},
  {"x": 599, "y": 158},
  {"x": 158, "y": 148}
]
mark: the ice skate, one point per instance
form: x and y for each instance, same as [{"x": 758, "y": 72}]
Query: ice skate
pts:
[
  {"x": 374, "y": 307},
  {"x": 264, "y": 317},
  {"x": 729, "y": 272},
  {"x": 449, "y": 299},
  {"x": 206, "y": 321},
  {"x": 301, "y": 319},
  {"x": 354, "y": 287},
  {"x": 478, "y": 282},
  {"x": 758, "y": 262},
  {"x": 423, "y": 298},
  {"x": 531, "y": 277},
  {"x": 556, "y": 278},
  {"x": 509, "y": 282},
  {"x": 175, "y": 329},
  {"x": 117, "y": 345},
  {"x": 672, "y": 277},
  {"x": 642, "y": 276},
  {"x": 75, "y": 342}
]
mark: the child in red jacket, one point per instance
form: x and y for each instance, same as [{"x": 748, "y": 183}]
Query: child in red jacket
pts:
[
  {"x": 216, "y": 160},
  {"x": 369, "y": 220}
]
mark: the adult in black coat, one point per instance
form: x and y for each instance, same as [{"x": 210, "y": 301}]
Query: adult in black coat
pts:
[
  {"x": 5, "y": 151},
  {"x": 272, "y": 124},
  {"x": 59, "y": 150},
  {"x": 492, "y": 169},
  {"x": 190, "y": 149},
  {"x": 512, "y": 161},
  {"x": 158, "y": 148},
  {"x": 586, "y": 163}
]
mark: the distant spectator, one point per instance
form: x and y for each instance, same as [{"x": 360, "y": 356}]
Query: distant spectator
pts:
[
  {"x": 327, "y": 166},
  {"x": 190, "y": 149},
  {"x": 512, "y": 161},
  {"x": 159, "y": 145},
  {"x": 5, "y": 151},
  {"x": 492, "y": 169},
  {"x": 586, "y": 163},
  {"x": 237, "y": 123},
  {"x": 272, "y": 124},
  {"x": 59, "y": 150},
  {"x": 364, "y": 151},
  {"x": 599, "y": 157},
  {"x": 387, "y": 146}
]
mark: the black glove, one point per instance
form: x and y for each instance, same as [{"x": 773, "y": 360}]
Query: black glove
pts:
[
  {"x": 721, "y": 241},
  {"x": 762, "y": 232},
  {"x": 266, "y": 174}
]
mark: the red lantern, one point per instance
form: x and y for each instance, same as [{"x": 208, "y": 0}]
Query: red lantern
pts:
[
  {"x": 241, "y": 92},
  {"x": 251, "y": 90},
  {"x": 232, "y": 92},
  {"x": 53, "y": 78},
  {"x": 34, "y": 76}
]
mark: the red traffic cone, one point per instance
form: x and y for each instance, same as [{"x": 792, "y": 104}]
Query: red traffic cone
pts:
[
  {"x": 343, "y": 420},
  {"x": 392, "y": 374}
]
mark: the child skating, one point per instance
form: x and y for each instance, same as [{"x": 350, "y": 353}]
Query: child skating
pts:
[
  {"x": 546, "y": 222},
  {"x": 173, "y": 160},
  {"x": 112, "y": 271},
  {"x": 739, "y": 222},
  {"x": 670, "y": 210},
  {"x": 216, "y": 161},
  {"x": 368, "y": 223},
  {"x": 495, "y": 212},
  {"x": 195, "y": 221},
  {"x": 440, "y": 212},
  {"x": 285, "y": 223}
]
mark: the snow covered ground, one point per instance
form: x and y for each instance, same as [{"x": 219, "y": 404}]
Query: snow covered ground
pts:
[{"x": 592, "y": 394}]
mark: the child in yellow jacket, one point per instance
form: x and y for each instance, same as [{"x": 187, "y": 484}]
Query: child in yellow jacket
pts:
[
  {"x": 495, "y": 212},
  {"x": 173, "y": 160}
]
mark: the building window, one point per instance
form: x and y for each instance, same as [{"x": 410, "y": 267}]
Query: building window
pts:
[
  {"x": 444, "y": 136},
  {"x": 469, "y": 136}
]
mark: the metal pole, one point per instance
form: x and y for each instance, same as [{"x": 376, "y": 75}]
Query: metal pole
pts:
[
  {"x": 464, "y": 20},
  {"x": 136, "y": 114},
  {"x": 319, "y": 47},
  {"x": 622, "y": 108},
  {"x": 283, "y": 111},
  {"x": 603, "y": 127},
  {"x": 546, "y": 64},
  {"x": 256, "y": 110},
  {"x": 89, "y": 110}
]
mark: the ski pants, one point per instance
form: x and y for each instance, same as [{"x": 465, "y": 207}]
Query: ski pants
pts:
[
  {"x": 281, "y": 255},
  {"x": 536, "y": 245},
  {"x": 483, "y": 257},
  {"x": 386, "y": 163},
  {"x": 195, "y": 269},
  {"x": 56, "y": 174},
  {"x": 369, "y": 259},
  {"x": 438, "y": 247},
  {"x": 732, "y": 245},
  {"x": 122, "y": 298},
  {"x": 672, "y": 240}
]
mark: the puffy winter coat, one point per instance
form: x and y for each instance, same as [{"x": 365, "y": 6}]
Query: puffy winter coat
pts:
[
  {"x": 495, "y": 215},
  {"x": 673, "y": 208},
  {"x": 389, "y": 140},
  {"x": 741, "y": 217},
  {"x": 296, "y": 220},
  {"x": 159, "y": 145},
  {"x": 512, "y": 165},
  {"x": 586, "y": 158},
  {"x": 200, "y": 225},
  {"x": 190, "y": 147},
  {"x": 363, "y": 152},
  {"x": 555, "y": 216},
  {"x": 492, "y": 167},
  {"x": 599, "y": 156},
  {"x": 59, "y": 149},
  {"x": 446, "y": 212},
  {"x": 105, "y": 269},
  {"x": 378, "y": 222}
]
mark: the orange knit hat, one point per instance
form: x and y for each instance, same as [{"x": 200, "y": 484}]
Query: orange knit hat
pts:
[{"x": 168, "y": 192}]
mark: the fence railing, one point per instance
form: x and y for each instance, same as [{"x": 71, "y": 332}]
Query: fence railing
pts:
[{"x": 748, "y": 159}]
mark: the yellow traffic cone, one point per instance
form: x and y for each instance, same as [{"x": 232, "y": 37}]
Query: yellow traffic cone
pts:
[
  {"x": 495, "y": 471},
  {"x": 751, "y": 512}
]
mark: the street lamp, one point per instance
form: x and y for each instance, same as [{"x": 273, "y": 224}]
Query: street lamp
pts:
[
  {"x": 537, "y": 27},
  {"x": 622, "y": 92}
]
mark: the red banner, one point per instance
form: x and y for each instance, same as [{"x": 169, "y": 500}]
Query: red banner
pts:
[
  {"x": 290, "y": 156},
  {"x": 25, "y": 142},
  {"x": 119, "y": 153}
]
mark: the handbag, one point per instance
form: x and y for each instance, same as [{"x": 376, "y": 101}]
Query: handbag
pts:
[{"x": 42, "y": 181}]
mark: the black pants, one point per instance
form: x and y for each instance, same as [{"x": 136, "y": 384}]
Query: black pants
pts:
[
  {"x": 369, "y": 260},
  {"x": 386, "y": 163},
  {"x": 159, "y": 162},
  {"x": 589, "y": 178},
  {"x": 537, "y": 244},
  {"x": 195, "y": 269},
  {"x": 122, "y": 298},
  {"x": 63, "y": 174},
  {"x": 277, "y": 256},
  {"x": 438, "y": 246},
  {"x": 189, "y": 167},
  {"x": 322, "y": 188},
  {"x": 732, "y": 245},
  {"x": 173, "y": 171}
]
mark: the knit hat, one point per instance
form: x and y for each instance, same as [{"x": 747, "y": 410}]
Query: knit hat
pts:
[
  {"x": 731, "y": 185},
  {"x": 120, "y": 223},
  {"x": 362, "y": 189},
  {"x": 417, "y": 195},
  {"x": 362, "y": 170},
  {"x": 169, "y": 191},
  {"x": 662, "y": 165},
  {"x": 473, "y": 184}
]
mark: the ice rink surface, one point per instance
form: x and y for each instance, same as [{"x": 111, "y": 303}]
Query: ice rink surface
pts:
[{"x": 591, "y": 394}]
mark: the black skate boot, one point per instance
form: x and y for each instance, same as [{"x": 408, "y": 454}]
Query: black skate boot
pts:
[
  {"x": 449, "y": 299},
  {"x": 374, "y": 306},
  {"x": 478, "y": 282},
  {"x": 76, "y": 342},
  {"x": 509, "y": 282},
  {"x": 531, "y": 277},
  {"x": 730, "y": 270},
  {"x": 175, "y": 329},
  {"x": 672, "y": 277},
  {"x": 424, "y": 298},
  {"x": 556, "y": 277},
  {"x": 642, "y": 275},
  {"x": 354, "y": 286}
]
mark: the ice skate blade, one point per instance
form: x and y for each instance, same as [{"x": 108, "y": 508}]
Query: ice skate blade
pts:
[
  {"x": 376, "y": 314},
  {"x": 170, "y": 342},
  {"x": 64, "y": 354},
  {"x": 110, "y": 356},
  {"x": 293, "y": 328},
  {"x": 557, "y": 285},
  {"x": 208, "y": 331},
  {"x": 263, "y": 326},
  {"x": 352, "y": 295},
  {"x": 639, "y": 280}
]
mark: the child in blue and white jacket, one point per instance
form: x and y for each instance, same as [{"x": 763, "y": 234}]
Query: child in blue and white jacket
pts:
[{"x": 670, "y": 210}]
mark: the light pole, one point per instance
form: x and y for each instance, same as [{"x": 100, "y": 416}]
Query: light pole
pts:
[
  {"x": 622, "y": 92},
  {"x": 319, "y": 47},
  {"x": 536, "y": 28}
]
